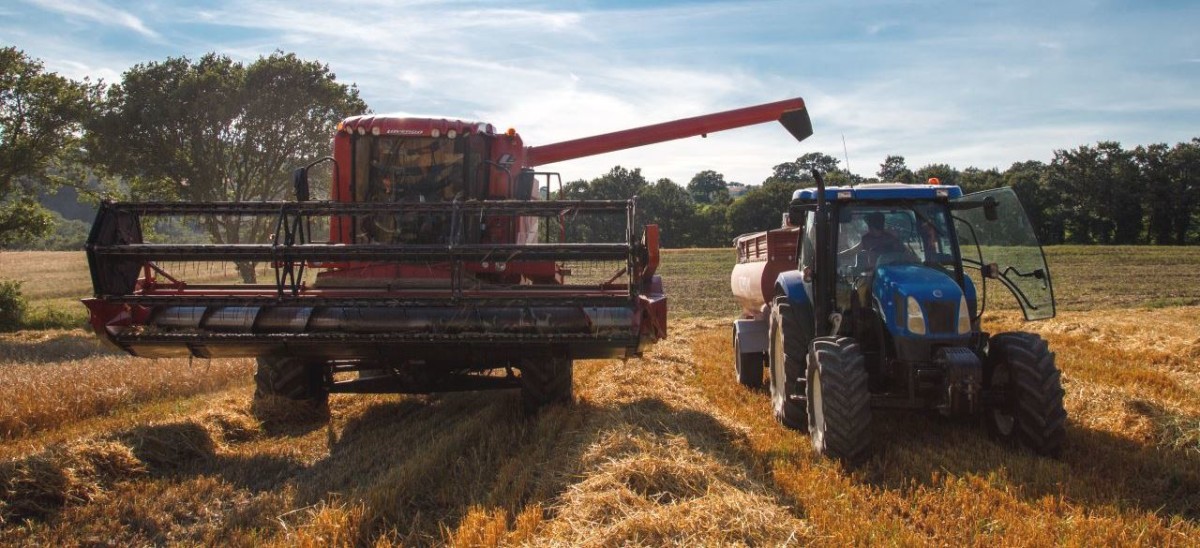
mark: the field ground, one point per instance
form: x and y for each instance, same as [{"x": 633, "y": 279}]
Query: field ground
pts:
[{"x": 96, "y": 447}]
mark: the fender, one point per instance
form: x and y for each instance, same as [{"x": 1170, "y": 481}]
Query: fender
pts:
[{"x": 791, "y": 285}]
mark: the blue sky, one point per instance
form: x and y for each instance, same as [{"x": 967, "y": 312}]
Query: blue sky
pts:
[{"x": 978, "y": 84}]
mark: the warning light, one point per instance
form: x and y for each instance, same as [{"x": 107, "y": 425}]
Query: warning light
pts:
[
  {"x": 934, "y": 181},
  {"x": 512, "y": 132}
]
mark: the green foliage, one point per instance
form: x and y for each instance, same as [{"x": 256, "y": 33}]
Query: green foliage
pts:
[
  {"x": 12, "y": 305},
  {"x": 762, "y": 207},
  {"x": 22, "y": 219},
  {"x": 708, "y": 187},
  {"x": 47, "y": 317},
  {"x": 40, "y": 117},
  {"x": 894, "y": 170},
  {"x": 65, "y": 235},
  {"x": 217, "y": 130}
]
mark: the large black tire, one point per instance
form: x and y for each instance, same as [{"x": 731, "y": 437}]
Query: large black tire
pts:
[
  {"x": 747, "y": 366},
  {"x": 839, "y": 401},
  {"x": 789, "y": 338},
  {"x": 1031, "y": 413},
  {"x": 291, "y": 378},
  {"x": 545, "y": 381}
]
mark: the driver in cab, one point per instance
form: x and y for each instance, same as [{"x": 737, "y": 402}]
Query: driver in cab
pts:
[{"x": 876, "y": 241}]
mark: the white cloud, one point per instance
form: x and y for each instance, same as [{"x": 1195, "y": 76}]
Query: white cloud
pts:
[
  {"x": 97, "y": 12},
  {"x": 935, "y": 84}
]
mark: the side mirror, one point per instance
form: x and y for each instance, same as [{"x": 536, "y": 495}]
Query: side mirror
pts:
[
  {"x": 989, "y": 209},
  {"x": 795, "y": 218},
  {"x": 991, "y": 270},
  {"x": 300, "y": 182}
]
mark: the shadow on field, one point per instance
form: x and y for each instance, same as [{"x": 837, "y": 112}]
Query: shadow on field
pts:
[
  {"x": 419, "y": 466},
  {"x": 1097, "y": 468}
]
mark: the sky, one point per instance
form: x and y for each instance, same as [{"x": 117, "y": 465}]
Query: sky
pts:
[{"x": 966, "y": 83}]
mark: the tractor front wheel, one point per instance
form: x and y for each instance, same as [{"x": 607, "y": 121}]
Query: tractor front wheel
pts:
[
  {"x": 544, "y": 381},
  {"x": 839, "y": 403},
  {"x": 789, "y": 344},
  {"x": 1021, "y": 366},
  {"x": 291, "y": 378}
]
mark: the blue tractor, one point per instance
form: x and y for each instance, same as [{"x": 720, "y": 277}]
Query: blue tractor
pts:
[{"x": 870, "y": 297}]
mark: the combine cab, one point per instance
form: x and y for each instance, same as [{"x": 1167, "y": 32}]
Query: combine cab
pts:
[{"x": 439, "y": 266}]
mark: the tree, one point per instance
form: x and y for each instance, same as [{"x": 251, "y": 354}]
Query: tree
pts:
[
  {"x": 217, "y": 130},
  {"x": 1184, "y": 159},
  {"x": 800, "y": 170},
  {"x": 762, "y": 207},
  {"x": 894, "y": 170},
  {"x": 945, "y": 174},
  {"x": 708, "y": 187},
  {"x": 670, "y": 207},
  {"x": 1161, "y": 193},
  {"x": 1042, "y": 202},
  {"x": 974, "y": 179},
  {"x": 40, "y": 116}
]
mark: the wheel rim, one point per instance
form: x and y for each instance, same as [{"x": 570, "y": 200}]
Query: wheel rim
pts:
[{"x": 818, "y": 411}]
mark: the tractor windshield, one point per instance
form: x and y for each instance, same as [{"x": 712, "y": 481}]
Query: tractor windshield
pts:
[
  {"x": 993, "y": 225},
  {"x": 870, "y": 235}
]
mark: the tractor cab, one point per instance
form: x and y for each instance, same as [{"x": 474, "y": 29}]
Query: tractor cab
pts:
[
  {"x": 883, "y": 310},
  {"x": 916, "y": 259}
]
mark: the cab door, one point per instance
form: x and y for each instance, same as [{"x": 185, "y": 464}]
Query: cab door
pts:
[{"x": 997, "y": 239}]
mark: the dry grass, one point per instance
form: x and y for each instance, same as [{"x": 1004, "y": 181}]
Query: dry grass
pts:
[
  {"x": 660, "y": 451},
  {"x": 52, "y": 378},
  {"x": 1127, "y": 477}
]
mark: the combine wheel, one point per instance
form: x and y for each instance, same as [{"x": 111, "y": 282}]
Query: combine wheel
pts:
[
  {"x": 839, "y": 403},
  {"x": 789, "y": 340},
  {"x": 544, "y": 381},
  {"x": 747, "y": 366},
  {"x": 1022, "y": 366},
  {"x": 291, "y": 378}
]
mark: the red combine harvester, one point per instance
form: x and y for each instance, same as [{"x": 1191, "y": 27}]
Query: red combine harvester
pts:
[{"x": 445, "y": 268}]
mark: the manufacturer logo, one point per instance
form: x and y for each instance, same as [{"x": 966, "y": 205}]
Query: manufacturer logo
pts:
[
  {"x": 937, "y": 293},
  {"x": 404, "y": 132}
]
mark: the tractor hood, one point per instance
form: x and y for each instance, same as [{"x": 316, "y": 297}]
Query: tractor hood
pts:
[{"x": 935, "y": 292}]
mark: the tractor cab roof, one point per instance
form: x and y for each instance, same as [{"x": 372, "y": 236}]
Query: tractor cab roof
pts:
[{"x": 881, "y": 191}]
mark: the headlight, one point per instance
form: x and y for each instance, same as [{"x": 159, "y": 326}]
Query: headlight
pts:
[
  {"x": 964, "y": 317},
  {"x": 916, "y": 318}
]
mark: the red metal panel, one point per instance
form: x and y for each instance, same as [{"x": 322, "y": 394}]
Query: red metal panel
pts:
[{"x": 657, "y": 133}]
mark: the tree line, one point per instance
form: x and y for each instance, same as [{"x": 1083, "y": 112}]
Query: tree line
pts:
[
  {"x": 1101, "y": 194},
  {"x": 214, "y": 129}
]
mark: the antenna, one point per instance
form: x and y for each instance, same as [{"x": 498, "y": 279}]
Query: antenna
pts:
[{"x": 846, "y": 152}]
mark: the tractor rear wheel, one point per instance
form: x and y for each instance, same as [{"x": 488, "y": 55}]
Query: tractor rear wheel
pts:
[
  {"x": 291, "y": 378},
  {"x": 544, "y": 381},
  {"x": 789, "y": 345},
  {"x": 839, "y": 402},
  {"x": 1022, "y": 366},
  {"x": 747, "y": 366}
]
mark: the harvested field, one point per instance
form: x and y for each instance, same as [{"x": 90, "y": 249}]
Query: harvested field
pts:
[{"x": 663, "y": 450}]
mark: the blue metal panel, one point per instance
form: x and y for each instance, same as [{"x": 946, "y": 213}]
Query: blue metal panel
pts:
[
  {"x": 923, "y": 283},
  {"x": 792, "y": 283},
  {"x": 882, "y": 191}
]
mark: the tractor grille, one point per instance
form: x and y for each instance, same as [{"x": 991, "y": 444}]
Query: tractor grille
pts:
[{"x": 942, "y": 316}]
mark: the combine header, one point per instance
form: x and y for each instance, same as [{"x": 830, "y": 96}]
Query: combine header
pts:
[{"x": 444, "y": 267}]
